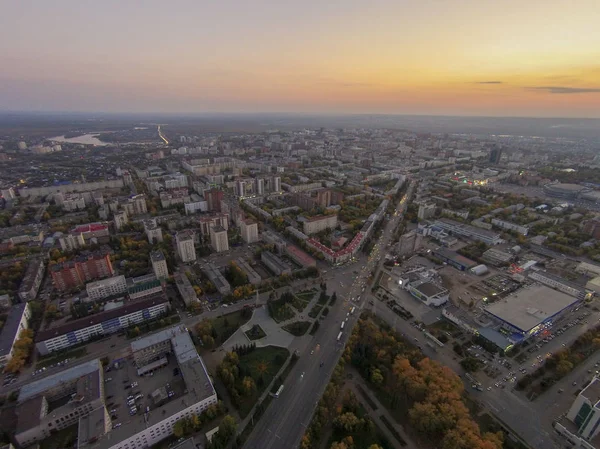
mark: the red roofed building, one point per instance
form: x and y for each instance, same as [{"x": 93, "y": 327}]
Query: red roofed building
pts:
[
  {"x": 300, "y": 257},
  {"x": 92, "y": 230},
  {"x": 75, "y": 273}
]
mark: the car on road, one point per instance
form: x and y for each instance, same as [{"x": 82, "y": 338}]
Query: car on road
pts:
[{"x": 302, "y": 375}]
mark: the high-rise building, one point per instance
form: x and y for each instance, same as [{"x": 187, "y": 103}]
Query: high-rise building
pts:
[
  {"x": 260, "y": 186},
  {"x": 276, "y": 184},
  {"x": 153, "y": 231},
  {"x": 185, "y": 246},
  {"x": 426, "y": 211},
  {"x": 218, "y": 239},
  {"x": 120, "y": 219},
  {"x": 213, "y": 197},
  {"x": 240, "y": 188},
  {"x": 495, "y": 155},
  {"x": 249, "y": 230},
  {"x": 159, "y": 265}
]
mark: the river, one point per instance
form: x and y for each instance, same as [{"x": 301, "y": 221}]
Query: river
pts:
[{"x": 85, "y": 139}]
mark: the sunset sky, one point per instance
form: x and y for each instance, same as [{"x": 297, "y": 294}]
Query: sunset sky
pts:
[{"x": 452, "y": 57}]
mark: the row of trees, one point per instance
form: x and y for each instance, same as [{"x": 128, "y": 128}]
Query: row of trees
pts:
[
  {"x": 21, "y": 352},
  {"x": 238, "y": 382},
  {"x": 431, "y": 392},
  {"x": 562, "y": 362},
  {"x": 189, "y": 425}
]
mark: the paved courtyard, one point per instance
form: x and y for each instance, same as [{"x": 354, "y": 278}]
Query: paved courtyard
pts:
[{"x": 275, "y": 335}]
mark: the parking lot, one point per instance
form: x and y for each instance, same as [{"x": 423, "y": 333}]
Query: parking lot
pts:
[{"x": 128, "y": 394}]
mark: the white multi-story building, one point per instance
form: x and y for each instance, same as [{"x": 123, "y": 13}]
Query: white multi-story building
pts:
[
  {"x": 523, "y": 230},
  {"x": 249, "y": 229},
  {"x": 71, "y": 242},
  {"x": 259, "y": 186},
  {"x": 120, "y": 219},
  {"x": 319, "y": 223},
  {"x": 115, "y": 285},
  {"x": 218, "y": 239},
  {"x": 276, "y": 184},
  {"x": 426, "y": 211},
  {"x": 159, "y": 265},
  {"x": 581, "y": 425},
  {"x": 153, "y": 231},
  {"x": 109, "y": 321},
  {"x": 86, "y": 389},
  {"x": 185, "y": 246}
]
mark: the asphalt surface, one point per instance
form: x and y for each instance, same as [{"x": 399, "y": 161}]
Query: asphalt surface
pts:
[{"x": 285, "y": 421}]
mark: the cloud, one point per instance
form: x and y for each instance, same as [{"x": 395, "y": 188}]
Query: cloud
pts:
[
  {"x": 565, "y": 90},
  {"x": 489, "y": 82}
]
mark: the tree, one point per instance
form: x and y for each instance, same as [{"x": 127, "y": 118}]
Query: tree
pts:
[
  {"x": 376, "y": 377},
  {"x": 348, "y": 422},
  {"x": 227, "y": 427},
  {"x": 470, "y": 364},
  {"x": 248, "y": 385}
]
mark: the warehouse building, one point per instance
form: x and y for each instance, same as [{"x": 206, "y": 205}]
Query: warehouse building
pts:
[
  {"x": 454, "y": 259},
  {"x": 530, "y": 310}
]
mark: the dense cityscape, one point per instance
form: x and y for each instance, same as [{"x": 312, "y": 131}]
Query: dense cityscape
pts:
[{"x": 169, "y": 286}]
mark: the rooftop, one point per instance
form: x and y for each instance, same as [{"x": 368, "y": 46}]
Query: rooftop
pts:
[
  {"x": 429, "y": 288},
  {"x": 82, "y": 323},
  {"x": 91, "y": 426},
  {"x": 530, "y": 306},
  {"x": 39, "y": 386},
  {"x": 11, "y": 328},
  {"x": 592, "y": 391},
  {"x": 156, "y": 256}
]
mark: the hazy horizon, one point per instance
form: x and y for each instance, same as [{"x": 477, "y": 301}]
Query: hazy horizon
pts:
[{"x": 458, "y": 58}]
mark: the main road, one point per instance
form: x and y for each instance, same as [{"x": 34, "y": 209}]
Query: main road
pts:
[{"x": 286, "y": 419}]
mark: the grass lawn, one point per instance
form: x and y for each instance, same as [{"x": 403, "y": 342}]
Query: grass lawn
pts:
[
  {"x": 315, "y": 311},
  {"x": 299, "y": 304},
  {"x": 297, "y": 328},
  {"x": 226, "y": 325},
  {"x": 255, "y": 332},
  {"x": 262, "y": 362},
  {"x": 62, "y": 439},
  {"x": 306, "y": 295},
  {"x": 281, "y": 312},
  {"x": 73, "y": 354}
]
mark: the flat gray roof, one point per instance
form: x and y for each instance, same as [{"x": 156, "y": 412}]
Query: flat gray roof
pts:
[
  {"x": 153, "y": 339},
  {"x": 530, "y": 306},
  {"x": 39, "y": 386},
  {"x": 592, "y": 391},
  {"x": 91, "y": 426},
  {"x": 11, "y": 327}
]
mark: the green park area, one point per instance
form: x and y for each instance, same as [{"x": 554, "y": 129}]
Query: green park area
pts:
[
  {"x": 214, "y": 332},
  {"x": 297, "y": 328},
  {"x": 255, "y": 333},
  {"x": 248, "y": 373}
]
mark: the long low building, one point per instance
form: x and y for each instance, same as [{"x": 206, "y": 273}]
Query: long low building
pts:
[
  {"x": 468, "y": 231},
  {"x": 253, "y": 277},
  {"x": 111, "y": 320},
  {"x": 274, "y": 263},
  {"x": 530, "y": 310},
  {"x": 218, "y": 280},
  {"x": 16, "y": 320},
  {"x": 300, "y": 257},
  {"x": 453, "y": 258},
  {"x": 560, "y": 284}
]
